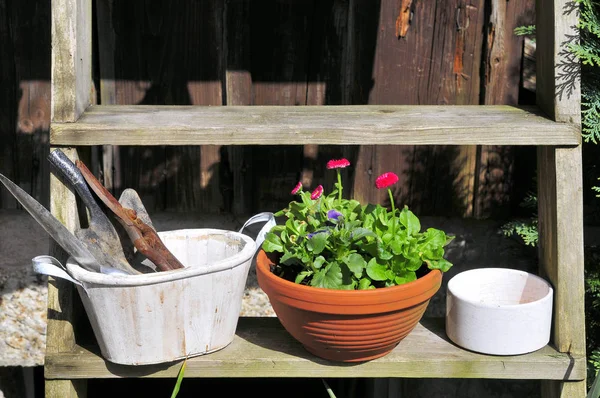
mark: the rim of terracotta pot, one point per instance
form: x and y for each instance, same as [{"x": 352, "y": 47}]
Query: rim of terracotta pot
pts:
[{"x": 346, "y": 301}]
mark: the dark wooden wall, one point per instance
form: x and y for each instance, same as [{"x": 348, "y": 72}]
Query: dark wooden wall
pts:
[{"x": 278, "y": 52}]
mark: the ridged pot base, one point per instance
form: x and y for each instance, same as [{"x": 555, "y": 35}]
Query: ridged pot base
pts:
[
  {"x": 347, "y": 356},
  {"x": 342, "y": 325}
]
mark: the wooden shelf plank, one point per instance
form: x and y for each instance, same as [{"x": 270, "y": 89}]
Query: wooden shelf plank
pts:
[
  {"x": 262, "y": 348},
  {"x": 297, "y": 125}
]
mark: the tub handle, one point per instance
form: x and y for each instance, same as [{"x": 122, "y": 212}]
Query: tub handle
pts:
[
  {"x": 48, "y": 265},
  {"x": 257, "y": 218}
]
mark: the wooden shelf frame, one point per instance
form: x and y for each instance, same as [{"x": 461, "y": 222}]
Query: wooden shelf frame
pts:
[
  {"x": 297, "y": 125},
  {"x": 263, "y": 346},
  {"x": 75, "y": 122}
]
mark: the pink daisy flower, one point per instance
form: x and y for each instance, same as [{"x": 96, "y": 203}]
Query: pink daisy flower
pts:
[
  {"x": 316, "y": 194},
  {"x": 385, "y": 180},
  {"x": 297, "y": 188},
  {"x": 338, "y": 164}
]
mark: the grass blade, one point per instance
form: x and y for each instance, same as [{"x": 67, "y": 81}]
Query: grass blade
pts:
[
  {"x": 179, "y": 379},
  {"x": 329, "y": 390},
  {"x": 595, "y": 389}
]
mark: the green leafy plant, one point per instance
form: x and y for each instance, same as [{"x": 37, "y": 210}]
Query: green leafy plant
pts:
[
  {"x": 528, "y": 30},
  {"x": 331, "y": 242},
  {"x": 527, "y": 230},
  {"x": 592, "y": 309}
]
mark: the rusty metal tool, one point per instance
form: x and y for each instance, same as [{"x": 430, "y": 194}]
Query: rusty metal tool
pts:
[
  {"x": 100, "y": 236},
  {"x": 143, "y": 236},
  {"x": 130, "y": 199}
]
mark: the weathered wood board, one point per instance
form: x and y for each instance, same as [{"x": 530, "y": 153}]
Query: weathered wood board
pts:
[{"x": 262, "y": 348}]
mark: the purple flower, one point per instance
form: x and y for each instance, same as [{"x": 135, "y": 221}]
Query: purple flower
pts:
[{"x": 334, "y": 215}]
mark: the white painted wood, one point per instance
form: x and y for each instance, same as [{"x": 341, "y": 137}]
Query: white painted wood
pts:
[
  {"x": 499, "y": 311},
  {"x": 164, "y": 316},
  {"x": 289, "y": 125}
]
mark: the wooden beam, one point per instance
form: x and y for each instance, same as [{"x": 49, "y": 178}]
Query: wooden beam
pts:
[
  {"x": 291, "y": 125},
  {"x": 71, "y": 59},
  {"x": 559, "y": 180},
  {"x": 557, "y": 70},
  {"x": 66, "y": 388},
  {"x": 263, "y": 348},
  {"x": 561, "y": 248},
  {"x": 62, "y": 295}
]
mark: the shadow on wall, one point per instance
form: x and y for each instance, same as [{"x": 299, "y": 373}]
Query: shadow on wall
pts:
[
  {"x": 25, "y": 97},
  {"x": 318, "y": 52},
  {"x": 301, "y": 57}
]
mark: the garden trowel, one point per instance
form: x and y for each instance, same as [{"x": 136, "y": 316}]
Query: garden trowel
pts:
[{"x": 56, "y": 229}]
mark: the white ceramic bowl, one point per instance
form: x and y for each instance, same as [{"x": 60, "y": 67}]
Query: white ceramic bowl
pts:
[{"x": 499, "y": 311}]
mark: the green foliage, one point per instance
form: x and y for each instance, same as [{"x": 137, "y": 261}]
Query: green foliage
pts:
[
  {"x": 525, "y": 31},
  {"x": 587, "y": 50},
  {"x": 337, "y": 243},
  {"x": 595, "y": 388},
  {"x": 592, "y": 308},
  {"x": 527, "y": 230},
  {"x": 590, "y": 106}
]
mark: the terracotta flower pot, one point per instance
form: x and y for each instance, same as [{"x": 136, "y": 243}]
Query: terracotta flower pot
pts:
[{"x": 347, "y": 325}]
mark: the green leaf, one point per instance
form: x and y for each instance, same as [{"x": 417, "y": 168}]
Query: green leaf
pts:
[
  {"x": 364, "y": 283},
  {"x": 290, "y": 224},
  {"x": 382, "y": 215},
  {"x": 359, "y": 233},
  {"x": 302, "y": 275},
  {"x": 383, "y": 254},
  {"x": 414, "y": 263},
  {"x": 319, "y": 261},
  {"x": 387, "y": 238},
  {"x": 356, "y": 263},
  {"x": 442, "y": 264},
  {"x": 272, "y": 243},
  {"x": 288, "y": 258},
  {"x": 435, "y": 237},
  {"x": 329, "y": 277},
  {"x": 405, "y": 277},
  {"x": 317, "y": 242},
  {"x": 410, "y": 221},
  {"x": 390, "y": 275},
  {"x": 397, "y": 246},
  {"x": 376, "y": 271}
]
